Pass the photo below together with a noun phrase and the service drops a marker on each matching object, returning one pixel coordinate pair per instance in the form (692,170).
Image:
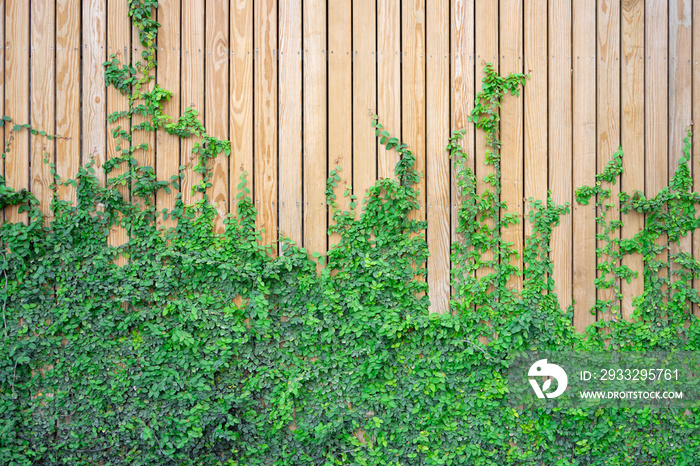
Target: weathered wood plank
(265,148)
(216,74)
(608,114)
(486,49)
(656,102)
(168,77)
(413,90)
(340,110)
(632,135)
(94,109)
(241,95)
(68,78)
(462,95)
(560,134)
(119,44)
(679,95)
(437,161)
(512,151)
(290,120)
(584,161)
(364,85)
(696,118)
(17,99)
(42,71)
(389,79)
(315,127)
(192,91)
(535,98)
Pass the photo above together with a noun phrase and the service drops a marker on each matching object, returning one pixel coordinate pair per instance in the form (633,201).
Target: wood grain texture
(315,127)
(192,91)
(679,95)
(119,44)
(608,113)
(437,161)
(290,120)
(146,156)
(584,161)
(340,110)
(42,72)
(216,74)
(241,97)
(656,90)
(511,51)
(94,95)
(656,102)
(535,98)
(486,49)
(168,77)
(462,86)
(632,135)
(17,99)
(560,134)
(364,95)
(413,90)
(265,98)
(68,24)
(389,78)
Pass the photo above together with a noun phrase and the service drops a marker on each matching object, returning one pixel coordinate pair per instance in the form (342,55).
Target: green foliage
(203,348)
(663,312)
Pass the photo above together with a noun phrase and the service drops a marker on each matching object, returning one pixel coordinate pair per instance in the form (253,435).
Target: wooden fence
(292,84)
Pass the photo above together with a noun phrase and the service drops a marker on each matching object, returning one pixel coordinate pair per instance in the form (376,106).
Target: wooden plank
(17,98)
(364,77)
(486,50)
(511,51)
(389,80)
(584,161)
(216,114)
(462,90)
(192,63)
(145,157)
(67,93)
(241,97)
(118,43)
(608,113)
(560,134)
(656,102)
(340,112)
(43,76)
(463,94)
(94,108)
(266,118)
(290,121)
(632,134)
(437,161)
(315,127)
(168,77)
(535,97)
(696,118)
(679,95)
(413,90)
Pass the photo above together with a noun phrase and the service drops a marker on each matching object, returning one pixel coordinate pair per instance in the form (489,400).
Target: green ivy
(185,346)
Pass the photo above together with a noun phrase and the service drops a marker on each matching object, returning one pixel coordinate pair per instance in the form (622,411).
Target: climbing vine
(188,346)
